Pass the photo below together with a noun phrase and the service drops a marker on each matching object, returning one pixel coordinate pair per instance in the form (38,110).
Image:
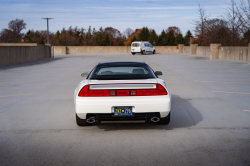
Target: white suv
(142,47)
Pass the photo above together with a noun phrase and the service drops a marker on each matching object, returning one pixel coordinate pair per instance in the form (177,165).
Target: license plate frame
(123,111)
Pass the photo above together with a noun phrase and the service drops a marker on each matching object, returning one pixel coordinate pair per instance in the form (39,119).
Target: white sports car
(122,90)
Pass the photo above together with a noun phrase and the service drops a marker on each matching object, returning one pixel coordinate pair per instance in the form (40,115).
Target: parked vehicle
(142,47)
(122,90)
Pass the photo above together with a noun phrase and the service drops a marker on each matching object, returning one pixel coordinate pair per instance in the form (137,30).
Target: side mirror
(158,73)
(84,74)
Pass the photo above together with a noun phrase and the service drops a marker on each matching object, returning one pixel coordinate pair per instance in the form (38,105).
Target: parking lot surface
(210,118)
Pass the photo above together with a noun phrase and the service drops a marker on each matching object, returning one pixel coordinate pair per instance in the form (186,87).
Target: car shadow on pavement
(183,115)
(30,63)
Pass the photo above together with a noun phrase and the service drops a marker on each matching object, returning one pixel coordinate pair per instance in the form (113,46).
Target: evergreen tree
(107,41)
(63,30)
(133,39)
(28,36)
(187,38)
(57,34)
(120,43)
(171,39)
(144,34)
(70,31)
(162,39)
(89,37)
(179,39)
(153,38)
(99,37)
(94,32)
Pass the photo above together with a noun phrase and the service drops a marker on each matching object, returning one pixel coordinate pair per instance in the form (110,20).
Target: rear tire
(133,53)
(165,120)
(81,122)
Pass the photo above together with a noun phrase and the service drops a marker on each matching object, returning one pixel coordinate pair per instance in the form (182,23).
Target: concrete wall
(106,49)
(60,49)
(180,48)
(218,52)
(166,49)
(203,50)
(186,49)
(222,52)
(193,49)
(96,49)
(234,53)
(11,53)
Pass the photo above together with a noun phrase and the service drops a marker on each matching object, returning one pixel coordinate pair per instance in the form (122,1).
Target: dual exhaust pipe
(153,119)
(91,119)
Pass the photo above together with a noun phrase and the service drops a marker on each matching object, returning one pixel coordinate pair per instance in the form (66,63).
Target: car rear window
(135,44)
(122,71)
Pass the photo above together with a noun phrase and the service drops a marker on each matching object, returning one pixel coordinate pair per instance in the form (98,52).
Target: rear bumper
(105,105)
(136,116)
(135,52)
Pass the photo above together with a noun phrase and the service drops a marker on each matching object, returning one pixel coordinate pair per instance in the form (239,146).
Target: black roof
(121,62)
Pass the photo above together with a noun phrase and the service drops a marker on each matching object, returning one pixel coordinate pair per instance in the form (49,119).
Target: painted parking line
(17,95)
(26,84)
(215,75)
(247,110)
(217,71)
(220,81)
(231,92)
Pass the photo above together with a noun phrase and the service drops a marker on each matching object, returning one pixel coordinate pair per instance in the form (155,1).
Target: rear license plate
(123,111)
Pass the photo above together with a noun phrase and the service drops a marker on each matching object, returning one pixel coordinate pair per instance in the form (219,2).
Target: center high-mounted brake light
(86,92)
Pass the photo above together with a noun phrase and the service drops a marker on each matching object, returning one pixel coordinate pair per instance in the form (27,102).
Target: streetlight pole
(47,28)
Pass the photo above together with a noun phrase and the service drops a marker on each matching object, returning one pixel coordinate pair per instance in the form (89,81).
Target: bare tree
(200,23)
(17,25)
(174,29)
(128,32)
(13,34)
(7,36)
(234,23)
(244,13)
(216,30)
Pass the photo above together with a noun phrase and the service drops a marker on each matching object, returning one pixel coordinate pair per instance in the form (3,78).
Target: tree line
(108,37)
(77,37)
(170,37)
(90,37)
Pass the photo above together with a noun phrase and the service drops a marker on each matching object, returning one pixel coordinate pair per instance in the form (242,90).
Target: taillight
(159,90)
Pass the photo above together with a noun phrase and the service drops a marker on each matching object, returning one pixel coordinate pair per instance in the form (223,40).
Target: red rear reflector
(160,90)
(84,91)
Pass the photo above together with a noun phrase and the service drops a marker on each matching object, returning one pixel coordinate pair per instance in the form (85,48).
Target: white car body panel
(140,104)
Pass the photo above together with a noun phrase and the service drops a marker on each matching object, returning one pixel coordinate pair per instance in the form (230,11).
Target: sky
(119,14)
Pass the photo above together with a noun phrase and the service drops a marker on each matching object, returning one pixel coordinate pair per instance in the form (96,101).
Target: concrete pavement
(210,119)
